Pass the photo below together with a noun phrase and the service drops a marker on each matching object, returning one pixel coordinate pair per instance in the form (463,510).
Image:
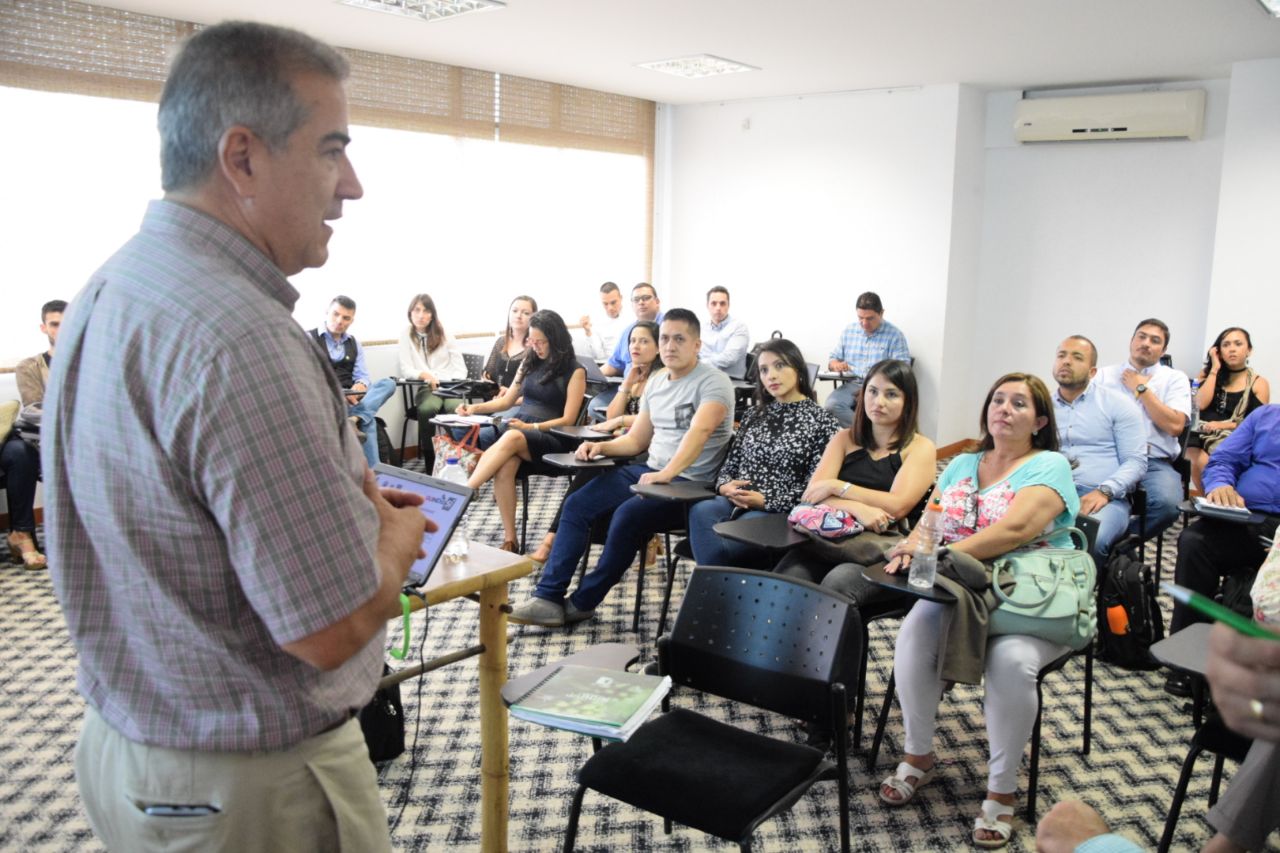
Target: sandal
(23,552)
(651,552)
(989,820)
(906,780)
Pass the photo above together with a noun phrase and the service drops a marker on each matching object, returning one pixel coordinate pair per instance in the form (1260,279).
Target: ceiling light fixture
(702,65)
(1272,7)
(426,10)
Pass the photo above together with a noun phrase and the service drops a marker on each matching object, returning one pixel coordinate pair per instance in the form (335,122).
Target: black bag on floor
(1130,618)
(384,442)
(382,722)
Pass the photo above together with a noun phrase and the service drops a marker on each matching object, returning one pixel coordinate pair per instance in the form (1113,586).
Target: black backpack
(1129,617)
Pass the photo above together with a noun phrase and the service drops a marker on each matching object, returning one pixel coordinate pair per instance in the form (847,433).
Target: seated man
(1243,472)
(346,356)
(862,344)
(726,340)
(19,459)
(1164,395)
(684,425)
(602,330)
(1102,435)
(646,306)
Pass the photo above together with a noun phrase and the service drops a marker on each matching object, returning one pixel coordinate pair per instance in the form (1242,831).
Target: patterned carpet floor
(432,792)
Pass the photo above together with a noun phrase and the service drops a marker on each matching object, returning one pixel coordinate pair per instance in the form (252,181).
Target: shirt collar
(716,327)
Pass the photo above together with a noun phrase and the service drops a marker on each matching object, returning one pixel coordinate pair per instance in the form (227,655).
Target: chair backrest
(771,641)
(475,364)
(812,370)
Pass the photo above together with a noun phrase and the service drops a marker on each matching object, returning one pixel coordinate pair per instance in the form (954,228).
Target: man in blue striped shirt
(868,340)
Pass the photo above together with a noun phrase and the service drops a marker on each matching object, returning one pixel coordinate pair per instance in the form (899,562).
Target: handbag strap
(1024,605)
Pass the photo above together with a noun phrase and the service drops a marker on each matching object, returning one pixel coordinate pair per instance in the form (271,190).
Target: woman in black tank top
(880,470)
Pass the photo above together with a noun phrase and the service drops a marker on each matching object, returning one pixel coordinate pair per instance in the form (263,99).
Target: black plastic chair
(769,641)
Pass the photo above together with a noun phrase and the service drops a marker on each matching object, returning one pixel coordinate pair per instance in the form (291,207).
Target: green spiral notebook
(605,703)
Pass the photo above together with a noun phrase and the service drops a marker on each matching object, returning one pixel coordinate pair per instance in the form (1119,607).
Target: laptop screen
(443,502)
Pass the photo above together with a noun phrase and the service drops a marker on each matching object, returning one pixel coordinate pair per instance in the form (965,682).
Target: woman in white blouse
(429,353)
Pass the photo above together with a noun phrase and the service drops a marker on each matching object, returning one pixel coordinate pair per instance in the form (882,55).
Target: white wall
(799,204)
(1091,237)
(1244,290)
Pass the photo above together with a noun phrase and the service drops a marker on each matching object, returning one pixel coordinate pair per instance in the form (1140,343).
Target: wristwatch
(1141,389)
(1107,492)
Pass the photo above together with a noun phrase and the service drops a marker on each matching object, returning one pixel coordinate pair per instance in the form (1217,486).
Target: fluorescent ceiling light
(1272,7)
(426,10)
(702,65)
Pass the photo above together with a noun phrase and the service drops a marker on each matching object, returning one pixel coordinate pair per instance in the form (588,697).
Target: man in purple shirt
(226,583)
(1244,471)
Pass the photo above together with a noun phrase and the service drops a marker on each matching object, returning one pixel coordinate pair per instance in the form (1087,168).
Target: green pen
(1216,611)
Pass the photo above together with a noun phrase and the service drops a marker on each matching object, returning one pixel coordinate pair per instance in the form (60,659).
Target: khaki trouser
(320,795)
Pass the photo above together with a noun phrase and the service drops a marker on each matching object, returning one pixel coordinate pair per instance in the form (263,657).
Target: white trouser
(1010,679)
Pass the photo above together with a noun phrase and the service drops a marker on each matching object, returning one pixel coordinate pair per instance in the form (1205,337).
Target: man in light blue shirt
(725,341)
(346,356)
(863,343)
(1102,434)
(647,306)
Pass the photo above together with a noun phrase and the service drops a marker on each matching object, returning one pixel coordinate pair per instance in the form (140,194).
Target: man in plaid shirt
(862,344)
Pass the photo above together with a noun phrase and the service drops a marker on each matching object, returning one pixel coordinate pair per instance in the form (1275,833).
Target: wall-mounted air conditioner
(1140,115)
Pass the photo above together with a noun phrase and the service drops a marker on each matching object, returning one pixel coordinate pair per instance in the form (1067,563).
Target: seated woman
(429,353)
(1013,492)
(553,384)
(879,469)
(1229,391)
(622,411)
(508,350)
(769,460)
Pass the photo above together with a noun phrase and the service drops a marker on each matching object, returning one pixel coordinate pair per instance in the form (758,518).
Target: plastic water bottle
(924,559)
(1195,409)
(457,547)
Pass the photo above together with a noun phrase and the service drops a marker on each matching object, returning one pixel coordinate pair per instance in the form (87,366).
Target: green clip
(403,652)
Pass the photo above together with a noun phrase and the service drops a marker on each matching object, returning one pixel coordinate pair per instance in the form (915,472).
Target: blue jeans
(378,393)
(635,520)
(709,547)
(1164,493)
(600,403)
(1113,520)
(842,402)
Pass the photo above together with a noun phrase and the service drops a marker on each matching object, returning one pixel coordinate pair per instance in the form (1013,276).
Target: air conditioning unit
(1140,115)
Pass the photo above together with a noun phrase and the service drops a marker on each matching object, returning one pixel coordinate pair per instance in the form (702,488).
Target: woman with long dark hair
(1229,390)
(770,459)
(430,354)
(879,469)
(509,349)
(552,384)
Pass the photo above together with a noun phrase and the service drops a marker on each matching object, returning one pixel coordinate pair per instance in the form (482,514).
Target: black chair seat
(705,774)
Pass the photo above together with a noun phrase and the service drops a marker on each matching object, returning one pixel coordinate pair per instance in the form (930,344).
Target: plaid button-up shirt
(203,502)
(861,350)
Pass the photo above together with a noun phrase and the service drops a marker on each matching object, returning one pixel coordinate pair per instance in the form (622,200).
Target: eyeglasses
(644,297)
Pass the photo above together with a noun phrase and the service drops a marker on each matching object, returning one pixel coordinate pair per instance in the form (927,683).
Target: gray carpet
(1140,739)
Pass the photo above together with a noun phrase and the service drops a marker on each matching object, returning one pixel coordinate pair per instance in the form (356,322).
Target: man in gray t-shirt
(684,424)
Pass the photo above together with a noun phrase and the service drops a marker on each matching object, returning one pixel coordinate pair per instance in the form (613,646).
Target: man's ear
(238,151)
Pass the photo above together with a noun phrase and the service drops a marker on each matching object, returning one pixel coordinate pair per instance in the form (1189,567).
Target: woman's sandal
(543,553)
(23,552)
(989,820)
(906,780)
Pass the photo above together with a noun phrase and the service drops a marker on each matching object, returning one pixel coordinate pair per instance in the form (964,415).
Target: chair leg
(1034,774)
(672,562)
(1179,794)
(881,721)
(524,514)
(1216,784)
(575,810)
(859,698)
(635,613)
(1088,701)
(404,431)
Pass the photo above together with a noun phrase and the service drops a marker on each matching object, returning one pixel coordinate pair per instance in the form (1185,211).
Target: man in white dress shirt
(725,341)
(1164,395)
(602,330)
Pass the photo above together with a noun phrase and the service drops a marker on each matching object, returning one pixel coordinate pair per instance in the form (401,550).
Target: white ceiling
(802,46)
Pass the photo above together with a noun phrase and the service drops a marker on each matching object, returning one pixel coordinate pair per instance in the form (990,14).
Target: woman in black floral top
(777,446)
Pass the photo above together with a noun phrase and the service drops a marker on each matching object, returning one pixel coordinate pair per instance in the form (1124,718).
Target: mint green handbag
(1052,597)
